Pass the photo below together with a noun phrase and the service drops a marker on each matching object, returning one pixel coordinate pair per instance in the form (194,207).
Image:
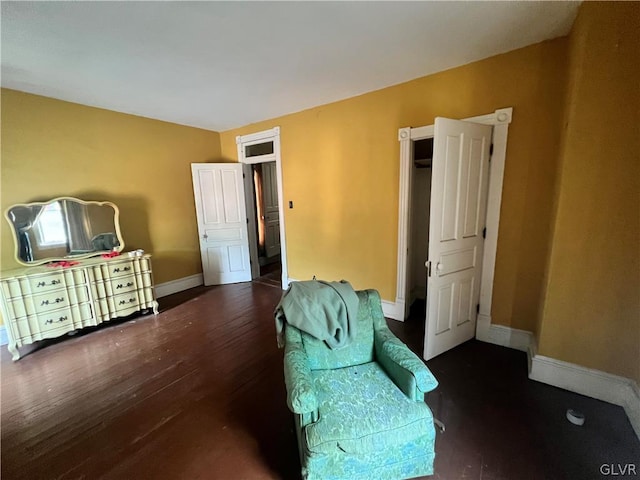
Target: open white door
(222,222)
(459,183)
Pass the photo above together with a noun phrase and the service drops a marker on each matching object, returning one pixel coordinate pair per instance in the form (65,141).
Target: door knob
(439,267)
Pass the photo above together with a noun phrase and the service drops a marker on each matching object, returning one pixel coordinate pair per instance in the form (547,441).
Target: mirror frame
(116,221)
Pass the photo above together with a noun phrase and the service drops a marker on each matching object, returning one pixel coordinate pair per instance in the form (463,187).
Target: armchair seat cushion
(361,410)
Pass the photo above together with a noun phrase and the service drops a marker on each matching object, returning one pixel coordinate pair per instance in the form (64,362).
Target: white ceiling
(220,65)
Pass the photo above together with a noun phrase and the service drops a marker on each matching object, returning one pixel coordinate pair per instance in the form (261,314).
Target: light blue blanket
(325,310)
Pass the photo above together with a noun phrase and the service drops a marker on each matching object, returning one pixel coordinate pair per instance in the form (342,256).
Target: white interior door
(272,211)
(460,174)
(222,222)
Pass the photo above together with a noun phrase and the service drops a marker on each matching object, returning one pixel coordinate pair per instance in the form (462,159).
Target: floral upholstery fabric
(408,460)
(301,396)
(401,355)
(369,414)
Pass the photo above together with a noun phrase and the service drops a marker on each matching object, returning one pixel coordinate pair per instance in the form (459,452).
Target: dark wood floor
(197,392)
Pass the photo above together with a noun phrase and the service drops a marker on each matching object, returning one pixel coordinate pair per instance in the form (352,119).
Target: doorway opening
(461,253)
(267,223)
(262,172)
(422,158)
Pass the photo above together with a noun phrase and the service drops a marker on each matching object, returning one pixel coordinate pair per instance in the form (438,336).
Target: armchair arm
(301,396)
(409,373)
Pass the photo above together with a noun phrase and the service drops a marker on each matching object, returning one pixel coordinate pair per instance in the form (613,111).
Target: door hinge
(243,175)
(247,221)
(491,150)
(484,232)
(478,309)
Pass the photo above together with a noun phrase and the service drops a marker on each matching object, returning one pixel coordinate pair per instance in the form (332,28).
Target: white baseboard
(590,382)
(483,324)
(509,337)
(503,336)
(4,339)
(568,376)
(393,310)
(175,286)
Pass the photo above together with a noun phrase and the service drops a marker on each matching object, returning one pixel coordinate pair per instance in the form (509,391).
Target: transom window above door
(258,149)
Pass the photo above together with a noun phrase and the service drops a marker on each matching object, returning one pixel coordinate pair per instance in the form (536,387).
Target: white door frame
(242,141)
(500,119)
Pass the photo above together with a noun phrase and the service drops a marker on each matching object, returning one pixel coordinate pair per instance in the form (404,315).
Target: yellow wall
(53,148)
(591,313)
(340,167)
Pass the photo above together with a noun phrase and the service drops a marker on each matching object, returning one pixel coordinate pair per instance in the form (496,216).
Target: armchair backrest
(358,352)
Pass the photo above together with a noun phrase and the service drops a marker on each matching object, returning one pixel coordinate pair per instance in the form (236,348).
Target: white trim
(569,376)
(508,337)
(592,383)
(500,119)
(492,222)
(420,133)
(404,218)
(258,137)
(483,324)
(4,339)
(259,158)
(268,135)
(392,310)
(178,285)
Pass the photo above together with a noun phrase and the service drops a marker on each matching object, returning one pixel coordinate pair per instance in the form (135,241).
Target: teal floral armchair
(359,410)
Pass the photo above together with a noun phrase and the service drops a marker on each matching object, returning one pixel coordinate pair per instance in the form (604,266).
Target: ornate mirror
(64,228)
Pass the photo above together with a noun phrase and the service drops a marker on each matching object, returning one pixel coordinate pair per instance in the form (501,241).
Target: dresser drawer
(119,269)
(36,284)
(123,284)
(46,283)
(42,282)
(116,286)
(45,302)
(120,305)
(60,320)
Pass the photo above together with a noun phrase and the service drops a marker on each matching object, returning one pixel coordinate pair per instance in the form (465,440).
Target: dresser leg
(155,307)
(13,349)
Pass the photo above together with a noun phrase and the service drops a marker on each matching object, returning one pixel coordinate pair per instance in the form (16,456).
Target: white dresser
(49,301)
